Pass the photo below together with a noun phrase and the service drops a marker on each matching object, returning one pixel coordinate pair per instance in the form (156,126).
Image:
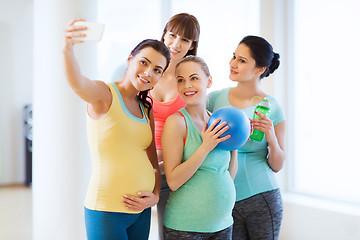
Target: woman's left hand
(146,200)
(265,125)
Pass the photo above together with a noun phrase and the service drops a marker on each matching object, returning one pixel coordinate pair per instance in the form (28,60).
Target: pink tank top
(161,111)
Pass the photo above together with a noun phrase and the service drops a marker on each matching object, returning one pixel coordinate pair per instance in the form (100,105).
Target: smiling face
(192,82)
(243,66)
(178,45)
(146,68)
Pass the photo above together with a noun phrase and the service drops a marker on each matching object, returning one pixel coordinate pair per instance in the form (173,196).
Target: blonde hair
(195,59)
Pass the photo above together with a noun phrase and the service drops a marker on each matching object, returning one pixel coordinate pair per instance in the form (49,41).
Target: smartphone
(93,32)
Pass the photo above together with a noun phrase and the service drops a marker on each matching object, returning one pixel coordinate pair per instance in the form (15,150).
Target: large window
(223,25)
(326,99)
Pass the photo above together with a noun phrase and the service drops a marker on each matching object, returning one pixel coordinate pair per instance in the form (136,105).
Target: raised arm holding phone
(126,179)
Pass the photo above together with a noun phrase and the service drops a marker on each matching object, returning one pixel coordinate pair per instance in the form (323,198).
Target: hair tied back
(275,63)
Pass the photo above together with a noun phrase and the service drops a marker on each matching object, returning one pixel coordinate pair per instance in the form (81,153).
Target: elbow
(172,185)
(233,173)
(173,188)
(276,163)
(276,170)
(277,167)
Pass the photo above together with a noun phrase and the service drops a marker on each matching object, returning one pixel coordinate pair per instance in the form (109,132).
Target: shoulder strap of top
(144,119)
(182,114)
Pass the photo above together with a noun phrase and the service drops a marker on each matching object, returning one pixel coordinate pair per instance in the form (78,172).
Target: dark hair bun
(275,63)
(263,54)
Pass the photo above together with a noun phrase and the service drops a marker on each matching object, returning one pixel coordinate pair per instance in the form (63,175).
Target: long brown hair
(185,25)
(163,50)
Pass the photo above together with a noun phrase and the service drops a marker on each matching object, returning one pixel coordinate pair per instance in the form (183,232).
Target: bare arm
(160,159)
(151,152)
(233,166)
(275,136)
(96,93)
(172,141)
(276,148)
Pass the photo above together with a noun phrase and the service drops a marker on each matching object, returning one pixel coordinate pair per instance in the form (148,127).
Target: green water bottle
(264,108)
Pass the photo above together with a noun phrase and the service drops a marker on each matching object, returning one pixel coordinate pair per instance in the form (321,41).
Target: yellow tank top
(118,144)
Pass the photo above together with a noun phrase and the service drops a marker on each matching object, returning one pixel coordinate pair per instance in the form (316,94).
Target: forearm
(90,91)
(233,166)
(184,171)
(276,157)
(160,161)
(153,157)
(154,162)
(72,70)
(157,187)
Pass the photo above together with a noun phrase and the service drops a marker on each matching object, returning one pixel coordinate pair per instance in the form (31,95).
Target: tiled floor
(16,214)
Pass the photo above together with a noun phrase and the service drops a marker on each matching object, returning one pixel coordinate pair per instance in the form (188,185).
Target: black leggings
(171,234)
(258,217)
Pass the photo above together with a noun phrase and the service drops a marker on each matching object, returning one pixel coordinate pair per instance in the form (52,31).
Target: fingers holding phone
(78,31)
(72,31)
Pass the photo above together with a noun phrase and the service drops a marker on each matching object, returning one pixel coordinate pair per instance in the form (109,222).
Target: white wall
(16,46)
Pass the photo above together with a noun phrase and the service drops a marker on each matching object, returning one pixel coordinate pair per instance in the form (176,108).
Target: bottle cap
(265,103)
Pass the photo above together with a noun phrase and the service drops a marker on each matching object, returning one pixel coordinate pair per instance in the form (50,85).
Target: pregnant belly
(108,186)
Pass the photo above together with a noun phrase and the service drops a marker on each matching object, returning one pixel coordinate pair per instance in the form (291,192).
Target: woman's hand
(251,129)
(275,136)
(74,31)
(211,135)
(265,125)
(146,200)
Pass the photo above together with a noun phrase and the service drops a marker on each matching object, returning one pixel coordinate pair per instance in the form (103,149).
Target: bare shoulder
(104,86)
(176,120)
(173,134)
(176,125)
(100,104)
(99,91)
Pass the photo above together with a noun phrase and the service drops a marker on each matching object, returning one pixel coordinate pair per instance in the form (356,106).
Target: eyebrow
(240,56)
(193,74)
(150,63)
(189,76)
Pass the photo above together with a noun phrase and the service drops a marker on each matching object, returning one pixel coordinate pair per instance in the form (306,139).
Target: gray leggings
(258,217)
(171,234)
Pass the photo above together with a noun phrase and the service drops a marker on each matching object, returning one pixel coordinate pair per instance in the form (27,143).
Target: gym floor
(16,214)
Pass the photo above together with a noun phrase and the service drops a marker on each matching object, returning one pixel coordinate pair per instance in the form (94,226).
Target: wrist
(68,48)
(203,150)
(271,138)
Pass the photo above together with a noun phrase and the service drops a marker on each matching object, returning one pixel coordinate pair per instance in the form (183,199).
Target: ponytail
(145,100)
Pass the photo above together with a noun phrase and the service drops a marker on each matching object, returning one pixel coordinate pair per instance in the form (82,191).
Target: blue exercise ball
(239,127)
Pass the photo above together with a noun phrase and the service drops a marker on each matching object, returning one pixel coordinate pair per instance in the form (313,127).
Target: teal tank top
(205,202)
(254,174)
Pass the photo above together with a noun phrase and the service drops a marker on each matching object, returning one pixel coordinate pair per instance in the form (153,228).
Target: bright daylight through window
(326,98)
